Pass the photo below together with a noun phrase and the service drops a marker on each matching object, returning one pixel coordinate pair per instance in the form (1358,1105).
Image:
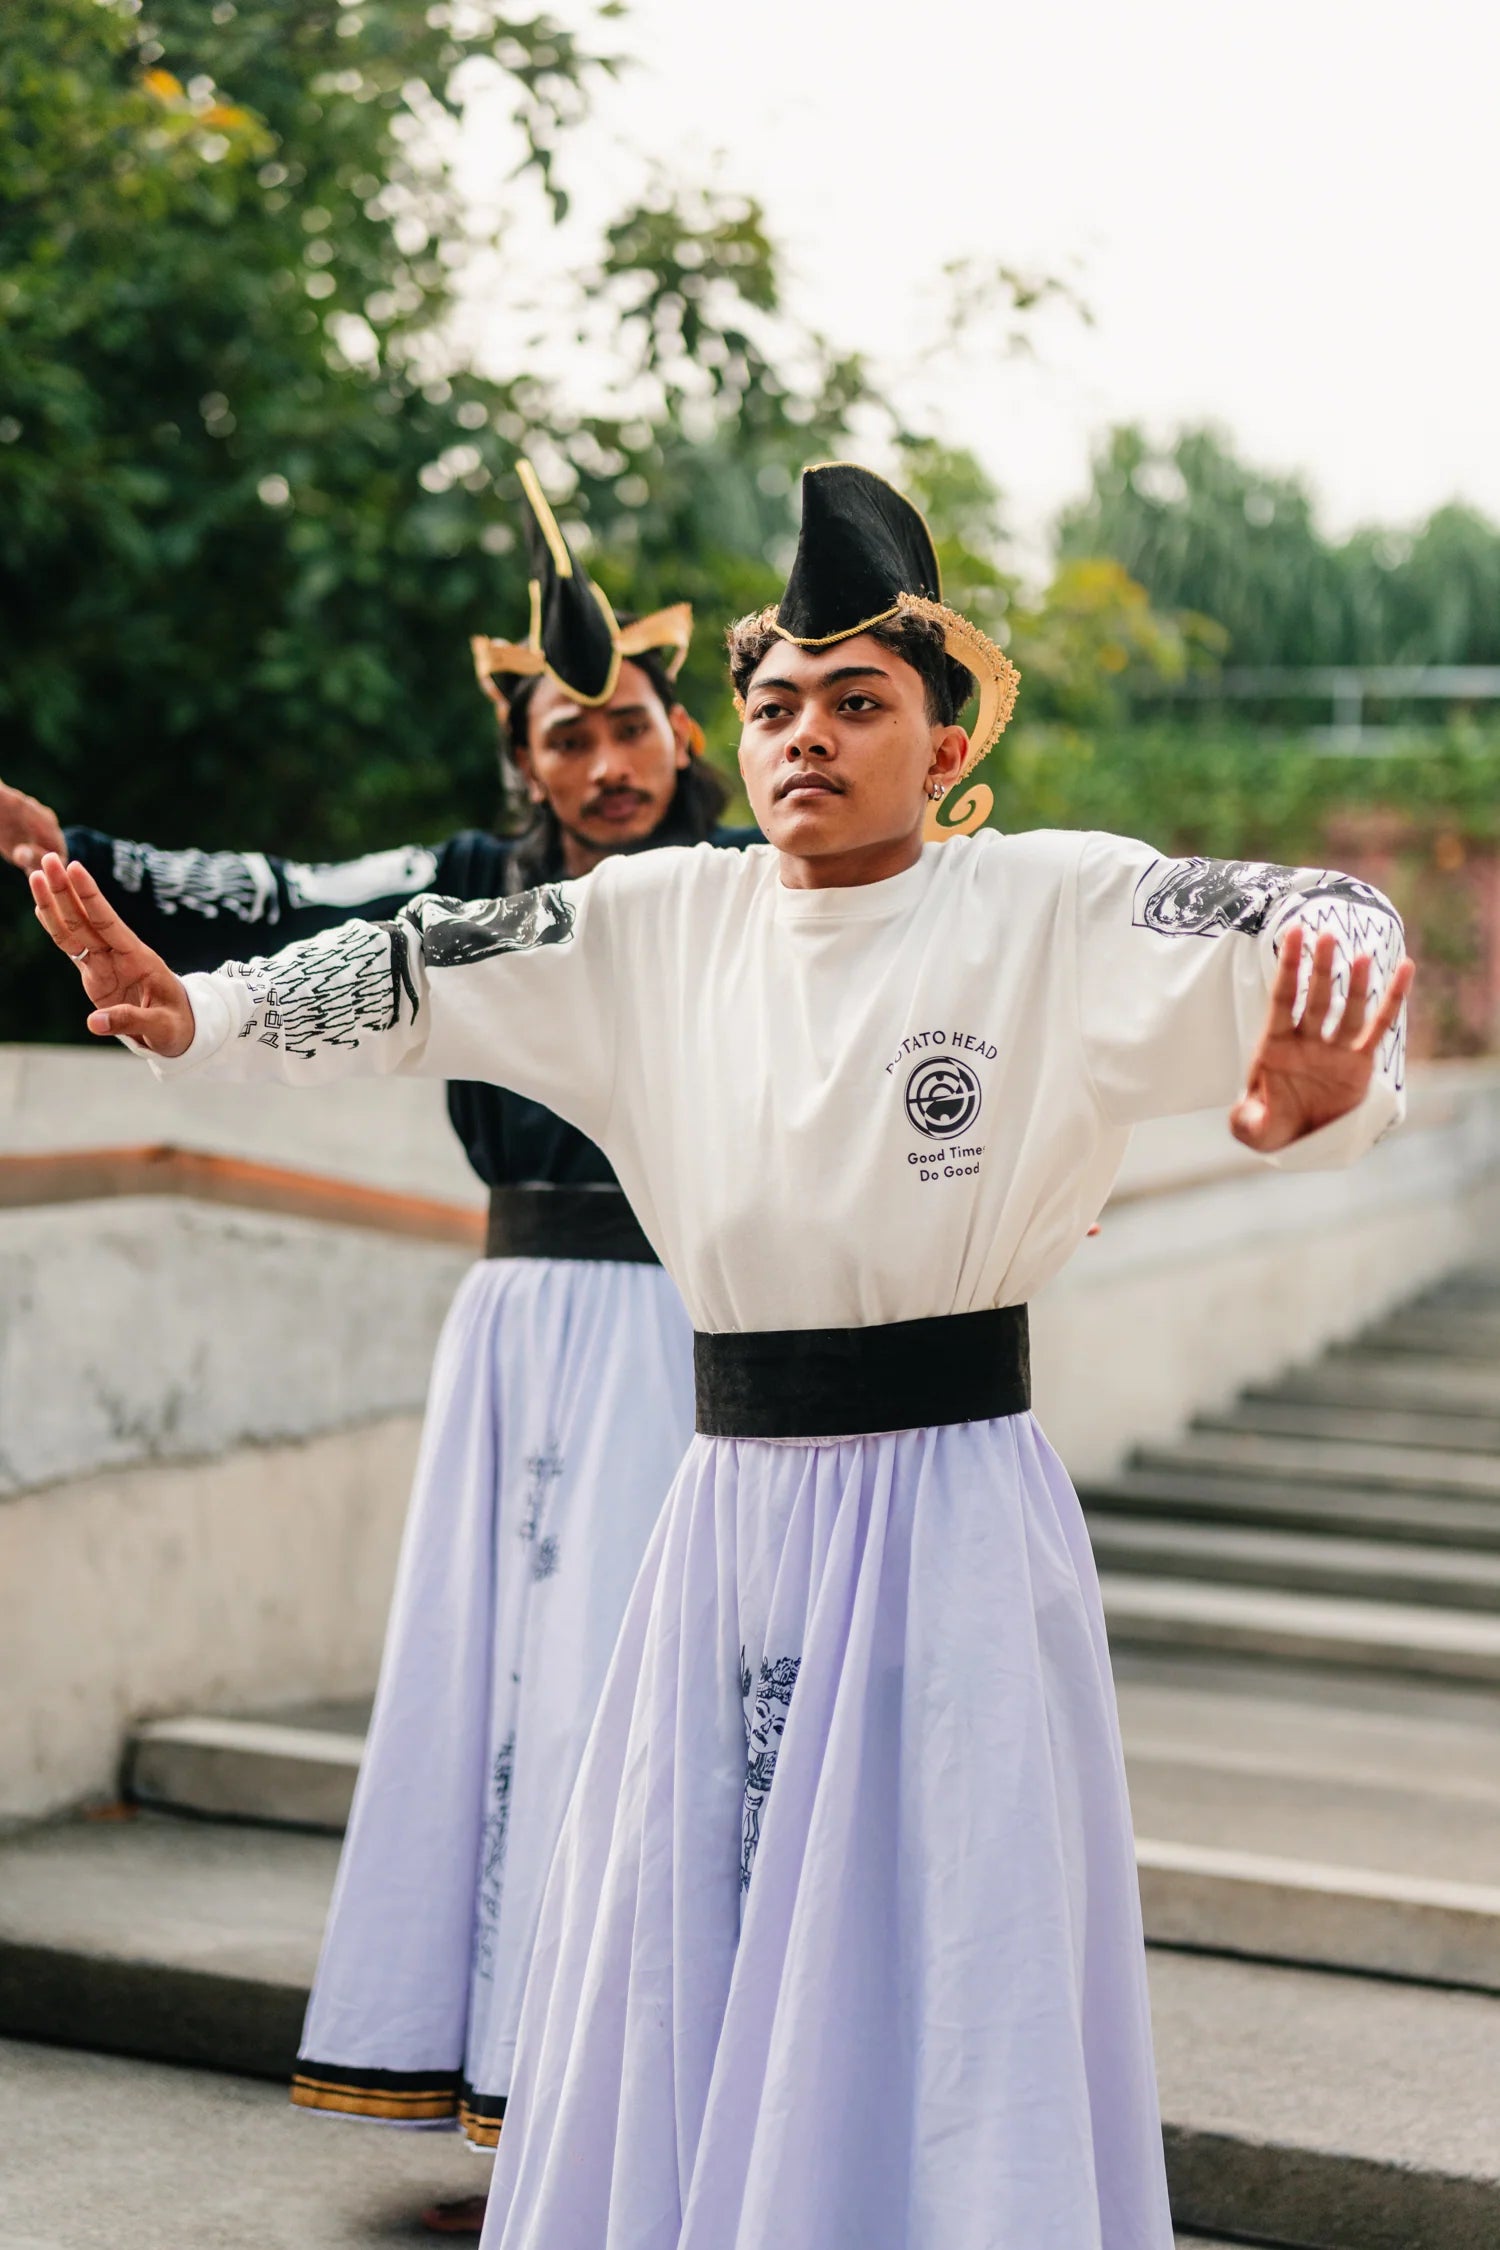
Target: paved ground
(99,2154)
(161,2159)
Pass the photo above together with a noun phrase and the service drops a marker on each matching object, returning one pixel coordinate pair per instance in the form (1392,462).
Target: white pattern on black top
(407,868)
(207,883)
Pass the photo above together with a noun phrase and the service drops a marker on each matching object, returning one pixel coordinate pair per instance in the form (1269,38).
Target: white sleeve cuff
(1349,1137)
(214,1025)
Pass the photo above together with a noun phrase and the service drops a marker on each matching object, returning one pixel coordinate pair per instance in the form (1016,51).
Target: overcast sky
(1285,217)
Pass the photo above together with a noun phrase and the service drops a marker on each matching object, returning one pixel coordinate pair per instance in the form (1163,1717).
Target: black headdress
(865,556)
(575,637)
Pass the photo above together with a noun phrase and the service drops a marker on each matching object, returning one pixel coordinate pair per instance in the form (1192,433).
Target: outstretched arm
(515,990)
(200,908)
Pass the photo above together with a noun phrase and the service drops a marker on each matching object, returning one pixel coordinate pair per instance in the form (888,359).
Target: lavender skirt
(560,1406)
(842,1943)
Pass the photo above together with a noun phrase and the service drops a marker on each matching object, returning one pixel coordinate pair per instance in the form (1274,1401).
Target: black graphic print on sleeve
(329,990)
(1203,897)
(207,883)
(456,934)
(764,1726)
(1207,897)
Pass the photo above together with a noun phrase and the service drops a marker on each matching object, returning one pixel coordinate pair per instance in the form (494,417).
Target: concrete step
(1382,1379)
(1297,1562)
(302,1775)
(1457,1333)
(1198,1495)
(1308,1460)
(1329,2112)
(179,1941)
(1427,1429)
(1265,1908)
(1394,1774)
(1180,1616)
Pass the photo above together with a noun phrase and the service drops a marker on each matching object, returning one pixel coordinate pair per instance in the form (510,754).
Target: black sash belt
(566,1222)
(850,1382)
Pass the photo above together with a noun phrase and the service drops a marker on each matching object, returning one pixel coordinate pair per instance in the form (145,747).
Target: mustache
(621,796)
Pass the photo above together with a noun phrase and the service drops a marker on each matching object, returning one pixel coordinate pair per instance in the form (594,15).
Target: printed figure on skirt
(842,1940)
(561,1399)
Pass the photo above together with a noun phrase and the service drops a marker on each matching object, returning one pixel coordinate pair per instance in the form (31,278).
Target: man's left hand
(1304,1075)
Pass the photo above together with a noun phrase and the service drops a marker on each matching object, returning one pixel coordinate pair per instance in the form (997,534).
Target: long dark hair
(697,802)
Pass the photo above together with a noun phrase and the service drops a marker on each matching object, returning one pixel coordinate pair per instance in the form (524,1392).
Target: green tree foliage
(249,511)
(1083,640)
(1203,532)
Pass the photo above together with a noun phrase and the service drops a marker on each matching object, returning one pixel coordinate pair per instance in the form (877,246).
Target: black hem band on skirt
(856,1382)
(566,1222)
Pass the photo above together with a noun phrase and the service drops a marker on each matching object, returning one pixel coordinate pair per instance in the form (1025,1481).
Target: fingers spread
(1390,1005)
(96,910)
(1284,984)
(1319,986)
(55,910)
(1347,1030)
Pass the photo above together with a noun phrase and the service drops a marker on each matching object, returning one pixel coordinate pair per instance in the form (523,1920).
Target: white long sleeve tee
(832,1107)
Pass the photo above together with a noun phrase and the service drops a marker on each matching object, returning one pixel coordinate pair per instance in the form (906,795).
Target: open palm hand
(134,994)
(1303,1074)
(28,829)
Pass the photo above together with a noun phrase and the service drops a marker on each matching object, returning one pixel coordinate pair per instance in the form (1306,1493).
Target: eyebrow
(829,679)
(570,716)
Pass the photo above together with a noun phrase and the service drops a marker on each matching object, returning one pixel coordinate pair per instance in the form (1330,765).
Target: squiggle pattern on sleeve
(1210,897)
(1363,921)
(207,883)
(331,991)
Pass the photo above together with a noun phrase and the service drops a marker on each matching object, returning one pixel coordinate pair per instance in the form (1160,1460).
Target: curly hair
(918,641)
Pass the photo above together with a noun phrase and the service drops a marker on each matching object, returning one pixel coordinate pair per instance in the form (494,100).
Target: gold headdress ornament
(865,555)
(574,637)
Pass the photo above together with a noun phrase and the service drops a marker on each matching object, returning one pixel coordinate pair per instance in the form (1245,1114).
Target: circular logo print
(942,1097)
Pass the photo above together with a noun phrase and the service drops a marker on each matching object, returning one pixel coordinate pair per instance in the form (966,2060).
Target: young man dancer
(842,1942)
(561,1397)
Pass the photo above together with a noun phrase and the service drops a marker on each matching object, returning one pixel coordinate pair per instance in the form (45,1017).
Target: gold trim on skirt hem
(414,2105)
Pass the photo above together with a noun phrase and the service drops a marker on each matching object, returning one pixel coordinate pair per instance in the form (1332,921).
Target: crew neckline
(857,902)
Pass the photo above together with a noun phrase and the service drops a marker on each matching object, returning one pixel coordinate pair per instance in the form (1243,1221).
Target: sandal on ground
(463,2215)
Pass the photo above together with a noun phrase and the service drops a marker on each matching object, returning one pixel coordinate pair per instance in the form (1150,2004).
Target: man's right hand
(28,829)
(135,994)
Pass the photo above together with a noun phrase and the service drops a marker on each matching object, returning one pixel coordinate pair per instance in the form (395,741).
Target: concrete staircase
(1304,1599)
(1345,1518)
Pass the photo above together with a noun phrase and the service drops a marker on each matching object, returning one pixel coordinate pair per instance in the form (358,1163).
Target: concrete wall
(146,1328)
(261,1577)
(387,1133)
